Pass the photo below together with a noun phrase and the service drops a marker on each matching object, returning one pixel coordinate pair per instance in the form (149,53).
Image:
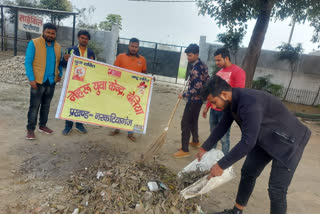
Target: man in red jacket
(236,78)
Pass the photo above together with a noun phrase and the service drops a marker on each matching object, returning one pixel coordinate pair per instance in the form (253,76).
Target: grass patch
(182,72)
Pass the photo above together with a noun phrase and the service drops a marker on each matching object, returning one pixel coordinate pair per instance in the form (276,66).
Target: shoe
(66,130)
(45,130)
(132,138)
(81,128)
(30,135)
(114,132)
(195,144)
(230,211)
(181,154)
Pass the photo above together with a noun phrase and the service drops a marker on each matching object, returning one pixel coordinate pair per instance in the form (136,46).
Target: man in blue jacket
(269,133)
(80,50)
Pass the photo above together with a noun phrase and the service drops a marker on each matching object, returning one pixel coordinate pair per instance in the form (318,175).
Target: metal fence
(162,59)
(298,96)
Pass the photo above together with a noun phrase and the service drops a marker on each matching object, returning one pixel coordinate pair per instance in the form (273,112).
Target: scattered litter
(153,186)
(100,175)
(76,211)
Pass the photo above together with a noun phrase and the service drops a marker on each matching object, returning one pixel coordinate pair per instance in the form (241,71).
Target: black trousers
(279,181)
(189,124)
(40,99)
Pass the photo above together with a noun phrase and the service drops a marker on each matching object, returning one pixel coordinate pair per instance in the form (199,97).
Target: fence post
(15,32)
(155,58)
(74,28)
(2,23)
(179,65)
(315,99)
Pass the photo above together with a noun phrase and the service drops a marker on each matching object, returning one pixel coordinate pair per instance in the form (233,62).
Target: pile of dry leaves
(115,187)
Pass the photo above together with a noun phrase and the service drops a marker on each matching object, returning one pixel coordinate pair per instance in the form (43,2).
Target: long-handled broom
(156,146)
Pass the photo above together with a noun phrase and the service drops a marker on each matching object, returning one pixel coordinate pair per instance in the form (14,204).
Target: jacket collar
(235,99)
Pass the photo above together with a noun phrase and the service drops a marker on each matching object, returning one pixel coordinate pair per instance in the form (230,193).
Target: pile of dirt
(13,71)
(114,186)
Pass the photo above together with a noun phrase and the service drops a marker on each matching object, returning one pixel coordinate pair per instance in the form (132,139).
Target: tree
(85,18)
(22,3)
(111,19)
(239,12)
(292,55)
(62,5)
(232,40)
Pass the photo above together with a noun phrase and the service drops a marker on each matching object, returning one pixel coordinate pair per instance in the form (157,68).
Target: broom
(156,146)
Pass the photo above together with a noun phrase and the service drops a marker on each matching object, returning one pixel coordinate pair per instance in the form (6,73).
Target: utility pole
(292,29)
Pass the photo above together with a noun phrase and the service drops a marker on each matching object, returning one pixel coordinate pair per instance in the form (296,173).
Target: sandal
(131,137)
(114,132)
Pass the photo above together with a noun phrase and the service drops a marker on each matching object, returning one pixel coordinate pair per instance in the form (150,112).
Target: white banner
(30,23)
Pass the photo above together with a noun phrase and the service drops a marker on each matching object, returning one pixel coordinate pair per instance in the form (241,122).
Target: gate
(162,59)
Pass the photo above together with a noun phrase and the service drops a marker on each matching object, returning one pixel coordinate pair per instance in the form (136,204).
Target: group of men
(269,131)
(44,63)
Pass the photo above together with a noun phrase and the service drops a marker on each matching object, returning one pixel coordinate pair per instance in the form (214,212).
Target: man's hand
(215,171)
(58,79)
(200,153)
(180,96)
(33,84)
(205,112)
(66,57)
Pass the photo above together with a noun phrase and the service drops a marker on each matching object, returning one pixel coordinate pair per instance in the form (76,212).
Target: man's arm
(196,83)
(29,60)
(206,109)
(117,62)
(219,131)
(64,59)
(251,122)
(31,50)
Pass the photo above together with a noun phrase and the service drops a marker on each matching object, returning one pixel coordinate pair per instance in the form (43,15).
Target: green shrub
(264,84)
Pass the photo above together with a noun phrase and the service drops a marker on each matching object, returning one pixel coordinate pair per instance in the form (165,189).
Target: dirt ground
(34,170)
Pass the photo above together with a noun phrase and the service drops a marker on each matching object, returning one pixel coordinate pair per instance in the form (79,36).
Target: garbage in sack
(203,185)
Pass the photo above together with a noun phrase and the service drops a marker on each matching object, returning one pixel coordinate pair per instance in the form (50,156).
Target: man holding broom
(198,76)
(269,133)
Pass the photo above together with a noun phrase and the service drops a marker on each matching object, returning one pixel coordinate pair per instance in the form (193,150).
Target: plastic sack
(204,185)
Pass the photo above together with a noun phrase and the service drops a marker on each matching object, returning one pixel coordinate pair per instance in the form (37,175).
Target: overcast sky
(180,24)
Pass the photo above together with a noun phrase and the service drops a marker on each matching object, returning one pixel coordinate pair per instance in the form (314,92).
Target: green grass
(182,72)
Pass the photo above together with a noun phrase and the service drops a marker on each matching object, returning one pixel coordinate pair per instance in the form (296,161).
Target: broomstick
(156,146)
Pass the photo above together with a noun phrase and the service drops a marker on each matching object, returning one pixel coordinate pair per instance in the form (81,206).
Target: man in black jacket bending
(269,133)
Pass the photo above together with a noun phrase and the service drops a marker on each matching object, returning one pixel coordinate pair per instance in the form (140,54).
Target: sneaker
(230,211)
(81,128)
(66,130)
(195,144)
(181,154)
(45,130)
(30,135)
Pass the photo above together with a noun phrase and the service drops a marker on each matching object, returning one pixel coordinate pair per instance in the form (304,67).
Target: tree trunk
(292,68)
(251,58)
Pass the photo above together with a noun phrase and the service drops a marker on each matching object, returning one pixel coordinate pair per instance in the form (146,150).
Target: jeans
(128,131)
(189,124)
(69,124)
(279,181)
(214,119)
(40,99)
